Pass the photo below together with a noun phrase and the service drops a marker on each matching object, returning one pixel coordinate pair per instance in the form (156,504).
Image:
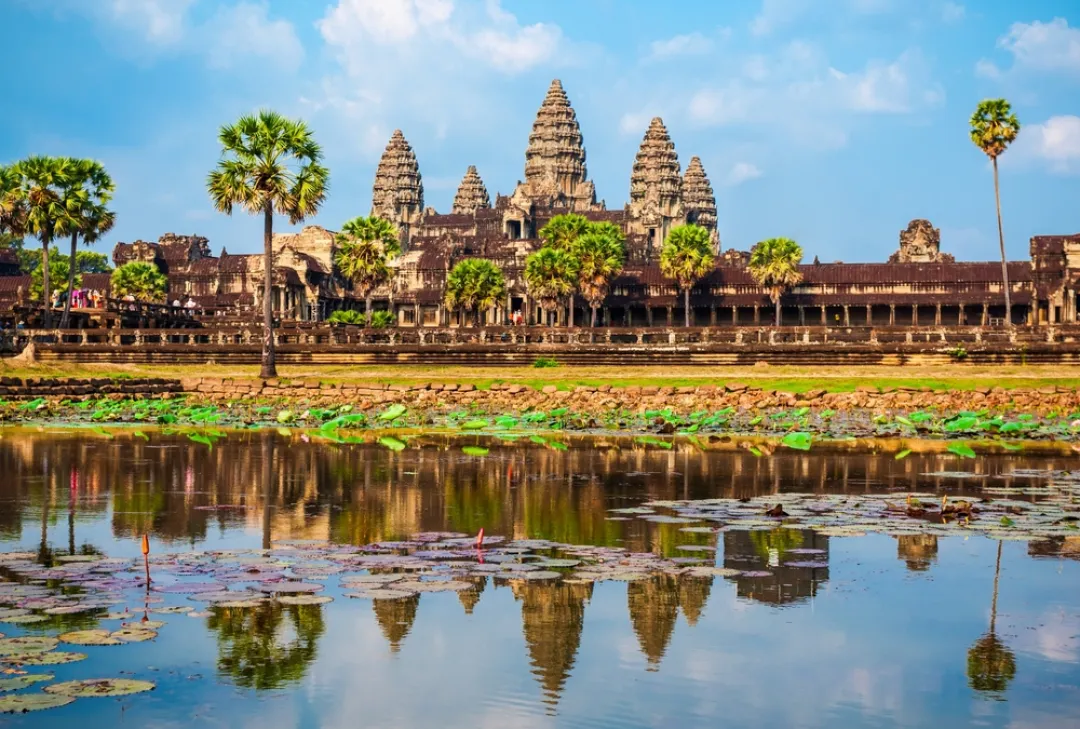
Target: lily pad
(394,411)
(27,644)
(21,682)
(25,619)
(100,687)
(800,441)
(133,635)
(381,594)
(49,658)
(392,443)
(474,451)
(289,588)
(474,424)
(23,703)
(304,599)
(89,637)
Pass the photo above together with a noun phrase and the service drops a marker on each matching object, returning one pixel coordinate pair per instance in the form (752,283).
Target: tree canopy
(365,247)
(551,276)
(687,256)
(774,264)
(474,284)
(142,280)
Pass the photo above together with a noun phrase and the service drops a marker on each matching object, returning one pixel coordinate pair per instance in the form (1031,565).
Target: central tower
(555,157)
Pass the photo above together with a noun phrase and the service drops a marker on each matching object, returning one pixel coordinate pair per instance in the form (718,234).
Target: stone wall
(33,387)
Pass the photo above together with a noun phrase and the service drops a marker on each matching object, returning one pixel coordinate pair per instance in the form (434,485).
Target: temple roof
(471,194)
(699,201)
(397,179)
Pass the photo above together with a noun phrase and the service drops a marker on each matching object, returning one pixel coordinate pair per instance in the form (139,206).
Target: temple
(919,285)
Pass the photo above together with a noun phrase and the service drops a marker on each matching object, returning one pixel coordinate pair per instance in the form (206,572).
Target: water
(880,637)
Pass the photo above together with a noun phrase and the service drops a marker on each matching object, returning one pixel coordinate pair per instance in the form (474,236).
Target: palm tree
(560,233)
(366,245)
(600,257)
(687,256)
(142,280)
(12,204)
(990,664)
(550,276)
(474,284)
(43,181)
(89,189)
(774,264)
(993,128)
(269,164)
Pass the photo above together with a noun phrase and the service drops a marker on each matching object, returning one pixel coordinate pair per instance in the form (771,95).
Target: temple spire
(698,198)
(471,194)
(398,192)
(555,157)
(656,185)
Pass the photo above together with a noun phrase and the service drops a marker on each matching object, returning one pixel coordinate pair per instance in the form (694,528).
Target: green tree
(774,264)
(687,256)
(474,284)
(259,650)
(59,266)
(365,246)
(86,195)
(13,206)
(270,164)
(92,262)
(550,276)
(990,663)
(43,182)
(560,233)
(142,280)
(600,257)
(993,128)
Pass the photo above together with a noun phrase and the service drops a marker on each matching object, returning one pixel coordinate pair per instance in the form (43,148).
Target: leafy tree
(13,206)
(381,319)
(365,247)
(560,233)
(260,650)
(347,316)
(990,663)
(59,266)
(687,256)
(774,264)
(92,262)
(993,128)
(42,185)
(474,284)
(270,164)
(142,280)
(85,197)
(600,257)
(550,276)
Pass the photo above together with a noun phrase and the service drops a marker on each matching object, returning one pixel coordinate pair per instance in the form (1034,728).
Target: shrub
(382,319)
(347,316)
(545,362)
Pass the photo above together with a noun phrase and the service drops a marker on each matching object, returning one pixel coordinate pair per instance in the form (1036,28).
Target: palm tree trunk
(46,299)
(776,305)
(71,280)
(570,320)
(592,320)
(268,365)
(1001,240)
(686,306)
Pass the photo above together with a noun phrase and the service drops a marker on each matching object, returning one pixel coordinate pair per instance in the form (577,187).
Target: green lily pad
(100,687)
(89,637)
(392,443)
(21,682)
(25,619)
(394,411)
(49,658)
(22,703)
(474,451)
(798,440)
(133,635)
(474,424)
(902,455)
(27,644)
(961,449)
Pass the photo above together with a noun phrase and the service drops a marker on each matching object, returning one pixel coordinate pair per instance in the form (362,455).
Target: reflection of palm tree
(990,663)
(395,618)
(267,486)
(552,616)
(259,650)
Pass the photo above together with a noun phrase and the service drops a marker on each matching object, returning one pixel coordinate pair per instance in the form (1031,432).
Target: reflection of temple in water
(1067,547)
(654,609)
(919,551)
(552,616)
(469,598)
(396,618)
(769,550)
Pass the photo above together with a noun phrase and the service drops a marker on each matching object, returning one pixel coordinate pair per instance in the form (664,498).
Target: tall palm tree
(560,233)
(687,256)
(365,247)
(550,276)
(600,258)
(269,164)
(990,664)
(774,264)
(12,203)
(993,128)
(474,284)
(43,181)
(89,190)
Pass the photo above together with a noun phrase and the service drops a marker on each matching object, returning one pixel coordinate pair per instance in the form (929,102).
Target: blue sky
(834,122)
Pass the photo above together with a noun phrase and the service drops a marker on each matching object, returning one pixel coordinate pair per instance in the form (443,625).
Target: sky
(833,122)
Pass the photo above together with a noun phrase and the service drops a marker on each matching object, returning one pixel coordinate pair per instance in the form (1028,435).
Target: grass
(789,379)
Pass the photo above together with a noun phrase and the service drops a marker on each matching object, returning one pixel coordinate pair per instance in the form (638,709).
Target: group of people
(80,299)
(189,304)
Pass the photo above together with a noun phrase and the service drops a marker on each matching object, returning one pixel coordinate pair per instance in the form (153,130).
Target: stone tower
(555,158)
(655,187)
(698,199)
(471,194)
(398,193)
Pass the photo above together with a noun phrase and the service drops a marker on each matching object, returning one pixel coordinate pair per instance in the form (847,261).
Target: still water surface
(894,631)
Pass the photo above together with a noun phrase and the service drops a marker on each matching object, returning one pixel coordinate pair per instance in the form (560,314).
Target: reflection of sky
(874,648)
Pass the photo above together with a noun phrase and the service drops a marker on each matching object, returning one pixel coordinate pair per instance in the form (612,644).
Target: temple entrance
(513,229)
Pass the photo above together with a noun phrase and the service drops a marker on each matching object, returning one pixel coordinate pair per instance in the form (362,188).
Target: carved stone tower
(555,158)
(398,193)
(698,199)
(471,194)
(656,204)
(920,242)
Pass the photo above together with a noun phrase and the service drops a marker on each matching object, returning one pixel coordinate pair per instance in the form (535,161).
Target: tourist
(176,303)
(190,303)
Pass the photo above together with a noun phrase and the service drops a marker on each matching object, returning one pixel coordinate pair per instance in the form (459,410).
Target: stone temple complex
(920,284)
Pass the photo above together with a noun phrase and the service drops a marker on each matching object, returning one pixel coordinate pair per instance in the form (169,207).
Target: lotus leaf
(99,687)
(23,703)
(394,411)
(474,424)
(798,440)
(27,644)
(134,635)
(392,443)
(89,637)
(386,594)
(21,682)
(474,451)
(48,658)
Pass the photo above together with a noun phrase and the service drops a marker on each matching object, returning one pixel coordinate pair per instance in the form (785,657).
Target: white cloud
(741,172)
(634,123)
(1052,46)
(689,44)
(953,12)
(245,31)
(776,13)
(158,21)
(1054,143)
(895,88)
(987,69)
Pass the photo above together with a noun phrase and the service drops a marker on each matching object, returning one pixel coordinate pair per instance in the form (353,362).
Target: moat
(300,582)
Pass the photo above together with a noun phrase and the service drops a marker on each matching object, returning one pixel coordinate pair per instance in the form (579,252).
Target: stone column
(824,316)
(670,311)
(892,314)
(648,315)
(802,316)
(937,315)
(985,314)
(869,315)
(712,315)
(847,315)
(960,316)
(734,316)
(914,315)
(757,314)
